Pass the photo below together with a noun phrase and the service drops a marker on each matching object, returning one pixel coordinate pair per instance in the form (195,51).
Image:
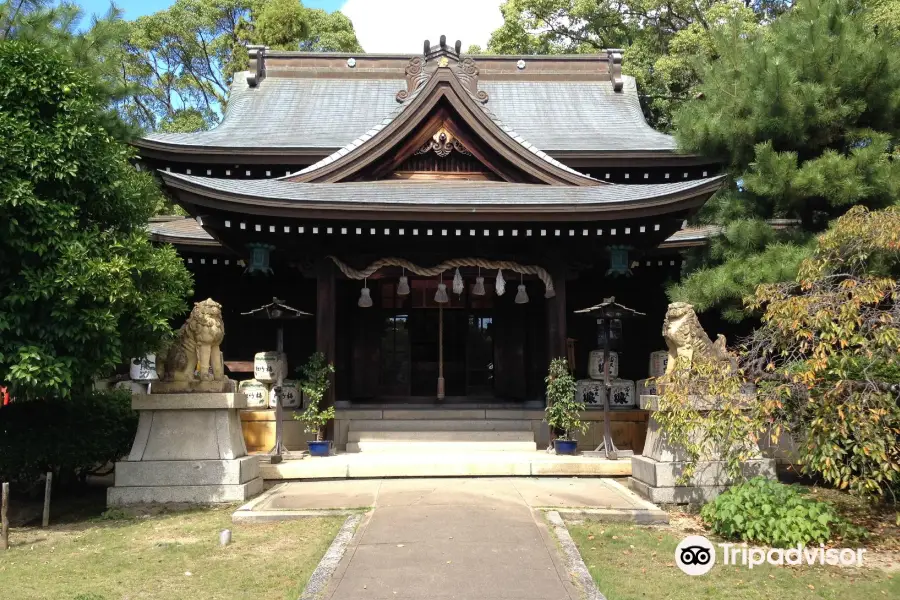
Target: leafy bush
(563,408)
(315,383)
(769,512)
(69,437)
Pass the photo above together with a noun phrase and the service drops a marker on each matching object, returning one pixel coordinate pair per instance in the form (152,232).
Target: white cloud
(402,25)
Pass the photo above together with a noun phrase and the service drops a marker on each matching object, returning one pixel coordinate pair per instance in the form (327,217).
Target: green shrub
(771,513)
(71,437)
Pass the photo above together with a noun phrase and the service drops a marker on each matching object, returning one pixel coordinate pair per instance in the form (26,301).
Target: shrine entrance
(420,339)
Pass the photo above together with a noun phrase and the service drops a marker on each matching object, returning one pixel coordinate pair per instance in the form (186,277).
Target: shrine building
(442,216)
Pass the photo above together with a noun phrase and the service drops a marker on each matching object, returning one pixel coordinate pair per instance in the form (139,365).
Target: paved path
(443,539)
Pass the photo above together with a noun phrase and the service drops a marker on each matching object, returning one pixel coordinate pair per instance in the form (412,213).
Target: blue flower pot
(565,446)
(319,448)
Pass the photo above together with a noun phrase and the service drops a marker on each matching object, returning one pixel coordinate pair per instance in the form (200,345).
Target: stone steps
(441,425)
(435,447)
(440,435)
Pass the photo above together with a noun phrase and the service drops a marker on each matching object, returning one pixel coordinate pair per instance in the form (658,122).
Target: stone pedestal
(655,472)
(188,448)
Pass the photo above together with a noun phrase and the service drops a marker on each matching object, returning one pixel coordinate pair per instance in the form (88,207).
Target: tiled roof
(330,113)
(374,131)
(448,193)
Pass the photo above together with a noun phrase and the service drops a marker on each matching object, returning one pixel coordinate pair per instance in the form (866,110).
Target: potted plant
(314,384)
(563,412)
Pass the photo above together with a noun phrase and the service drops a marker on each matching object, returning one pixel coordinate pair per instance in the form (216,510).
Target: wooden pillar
(556,318)
(326,303)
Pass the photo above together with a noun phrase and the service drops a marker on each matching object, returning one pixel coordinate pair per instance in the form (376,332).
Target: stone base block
(707,473)
(656,480)
(193,386)
(193,494)
(149,473)
(691,494)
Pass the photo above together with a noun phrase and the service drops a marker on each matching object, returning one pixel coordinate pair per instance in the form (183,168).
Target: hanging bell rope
(540,272)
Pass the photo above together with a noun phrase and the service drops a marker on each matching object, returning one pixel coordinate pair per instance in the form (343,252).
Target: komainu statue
(196,346)
(685,337)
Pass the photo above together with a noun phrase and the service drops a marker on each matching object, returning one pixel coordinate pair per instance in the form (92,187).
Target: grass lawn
(165,556)
(630,562)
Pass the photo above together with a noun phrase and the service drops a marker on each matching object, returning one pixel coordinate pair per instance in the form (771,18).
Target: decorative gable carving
(421,68)
(443,143)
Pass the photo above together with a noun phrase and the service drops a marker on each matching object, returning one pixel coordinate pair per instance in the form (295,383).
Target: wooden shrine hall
(441,215)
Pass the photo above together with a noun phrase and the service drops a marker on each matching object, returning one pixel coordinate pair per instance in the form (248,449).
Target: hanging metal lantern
(500,283)
(478,290)
(365,296)
(403,285)
(618,261)
(458,285)
(259,258)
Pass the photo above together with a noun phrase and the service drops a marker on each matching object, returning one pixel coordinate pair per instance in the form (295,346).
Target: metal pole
(4,518)
(47,488)
(440,390)
(278,450)
(611,452)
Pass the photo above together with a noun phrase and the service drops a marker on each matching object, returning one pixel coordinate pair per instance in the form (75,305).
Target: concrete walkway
(451,538)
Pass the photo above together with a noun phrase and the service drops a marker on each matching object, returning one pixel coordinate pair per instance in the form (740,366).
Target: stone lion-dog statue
(685,337)
(196,346)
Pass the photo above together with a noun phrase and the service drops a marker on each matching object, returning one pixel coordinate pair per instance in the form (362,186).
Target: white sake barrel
(646,387)
(143,368)
(268,366)
(621,394)
(591,392)
(658,362)
(595,365)
(257,393)
(288,393)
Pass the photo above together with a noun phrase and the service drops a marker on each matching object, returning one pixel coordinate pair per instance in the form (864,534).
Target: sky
(381,25)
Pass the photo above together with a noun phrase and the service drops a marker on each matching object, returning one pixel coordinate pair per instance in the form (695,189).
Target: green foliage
(69,437)
(824,362)
(663,40)
(827,353)
(771,513)
(178,63)
(703,412)
(806,112)
(315,383)
(563,408)
(81,287)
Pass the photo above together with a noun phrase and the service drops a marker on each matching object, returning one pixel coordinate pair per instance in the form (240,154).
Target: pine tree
(806,112)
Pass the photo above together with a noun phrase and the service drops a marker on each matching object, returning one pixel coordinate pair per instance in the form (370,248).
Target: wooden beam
(556,318)
(326,301)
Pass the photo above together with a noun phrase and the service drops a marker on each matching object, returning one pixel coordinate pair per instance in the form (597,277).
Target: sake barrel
(658,362)
(591,392)
(288,393)
(268,366)
(143,368)
(646,387)
(595,364)
(257,393)
(621,394)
